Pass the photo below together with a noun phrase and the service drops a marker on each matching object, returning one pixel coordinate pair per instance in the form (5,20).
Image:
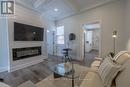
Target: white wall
(111,17)
(29,17)
(127,23)
(4,45)
(49,25)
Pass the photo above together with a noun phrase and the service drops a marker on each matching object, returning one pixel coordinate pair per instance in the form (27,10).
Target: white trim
(3,69)
(8,67)
(20,3)
(97,5)
(27,64)
(88,8)
(82,37)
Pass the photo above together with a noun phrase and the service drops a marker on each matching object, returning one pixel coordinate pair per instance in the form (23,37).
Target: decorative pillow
(108,71)
(121,57)
(119,54)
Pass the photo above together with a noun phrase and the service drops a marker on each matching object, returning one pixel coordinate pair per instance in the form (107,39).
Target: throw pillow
(108,70)
(121,57)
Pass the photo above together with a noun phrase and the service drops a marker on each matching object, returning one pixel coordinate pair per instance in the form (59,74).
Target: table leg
(1,80)
(72,81)
(56,76)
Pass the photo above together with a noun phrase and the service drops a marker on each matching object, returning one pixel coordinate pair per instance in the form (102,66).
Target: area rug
(63,82)
(27,84)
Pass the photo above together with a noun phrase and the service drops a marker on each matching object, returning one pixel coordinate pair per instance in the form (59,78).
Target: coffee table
(67,70)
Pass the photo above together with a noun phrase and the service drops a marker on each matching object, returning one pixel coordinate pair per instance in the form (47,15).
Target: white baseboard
(3,69)
(26,65)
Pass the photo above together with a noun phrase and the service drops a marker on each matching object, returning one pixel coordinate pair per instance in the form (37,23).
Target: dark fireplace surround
(22,53)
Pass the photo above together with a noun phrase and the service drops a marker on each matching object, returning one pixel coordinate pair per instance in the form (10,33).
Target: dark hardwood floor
(34,73)
(90,57)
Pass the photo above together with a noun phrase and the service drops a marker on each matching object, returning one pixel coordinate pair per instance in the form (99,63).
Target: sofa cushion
(3,85)
(121,57)
(123,78)
(92,79)
(108,70)
(96,63)
(119,54)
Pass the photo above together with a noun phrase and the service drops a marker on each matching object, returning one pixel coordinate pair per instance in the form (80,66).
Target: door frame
(82,45)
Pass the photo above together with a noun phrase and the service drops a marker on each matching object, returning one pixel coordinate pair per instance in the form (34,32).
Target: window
(60,34)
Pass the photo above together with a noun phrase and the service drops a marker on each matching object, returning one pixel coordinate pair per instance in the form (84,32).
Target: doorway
(91,41)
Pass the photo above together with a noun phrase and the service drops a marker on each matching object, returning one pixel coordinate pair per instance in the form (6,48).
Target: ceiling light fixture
(48,31)
(56,10)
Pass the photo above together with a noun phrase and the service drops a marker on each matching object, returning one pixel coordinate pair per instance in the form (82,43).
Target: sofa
(93,78)
(3,85)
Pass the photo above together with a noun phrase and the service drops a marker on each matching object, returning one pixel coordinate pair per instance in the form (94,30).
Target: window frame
(60,35)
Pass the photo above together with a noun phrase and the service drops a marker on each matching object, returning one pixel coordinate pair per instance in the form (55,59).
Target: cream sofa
(3,85)
(93,79)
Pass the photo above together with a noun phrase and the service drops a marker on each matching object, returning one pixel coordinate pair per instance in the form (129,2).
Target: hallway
(90,57)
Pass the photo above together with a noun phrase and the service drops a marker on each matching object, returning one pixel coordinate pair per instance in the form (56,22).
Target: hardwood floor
(34,73)
(90,57)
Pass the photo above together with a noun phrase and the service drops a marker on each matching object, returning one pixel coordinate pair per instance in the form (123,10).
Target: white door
(88,41)
(60,42)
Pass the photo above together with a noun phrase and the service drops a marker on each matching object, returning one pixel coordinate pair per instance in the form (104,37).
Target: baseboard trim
(3,69)
(27,64)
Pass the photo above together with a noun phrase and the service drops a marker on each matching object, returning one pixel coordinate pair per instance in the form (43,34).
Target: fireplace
(22,53)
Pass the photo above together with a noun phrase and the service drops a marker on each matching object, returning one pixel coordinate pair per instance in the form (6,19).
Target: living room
(38,53)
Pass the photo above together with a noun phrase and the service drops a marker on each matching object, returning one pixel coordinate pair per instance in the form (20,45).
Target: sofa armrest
(97,62)
(98,59)
(92,79)
(3,85)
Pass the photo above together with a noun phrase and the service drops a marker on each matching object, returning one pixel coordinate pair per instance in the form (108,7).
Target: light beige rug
(63,82)
(27,84)
(60,82)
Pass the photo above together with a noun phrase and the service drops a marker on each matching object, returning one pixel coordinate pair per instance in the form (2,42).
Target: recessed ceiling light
(55,9)
(48,31)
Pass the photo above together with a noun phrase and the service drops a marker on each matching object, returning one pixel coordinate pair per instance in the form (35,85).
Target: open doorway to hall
(91,41)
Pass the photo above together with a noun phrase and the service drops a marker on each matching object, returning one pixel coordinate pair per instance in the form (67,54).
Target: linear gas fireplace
(22,53)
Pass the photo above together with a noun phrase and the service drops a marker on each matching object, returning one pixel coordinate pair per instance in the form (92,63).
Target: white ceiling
(65,8)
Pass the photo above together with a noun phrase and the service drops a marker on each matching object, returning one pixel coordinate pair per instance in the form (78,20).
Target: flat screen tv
(24,32)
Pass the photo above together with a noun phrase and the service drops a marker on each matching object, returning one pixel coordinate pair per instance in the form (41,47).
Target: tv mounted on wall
(24,32)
